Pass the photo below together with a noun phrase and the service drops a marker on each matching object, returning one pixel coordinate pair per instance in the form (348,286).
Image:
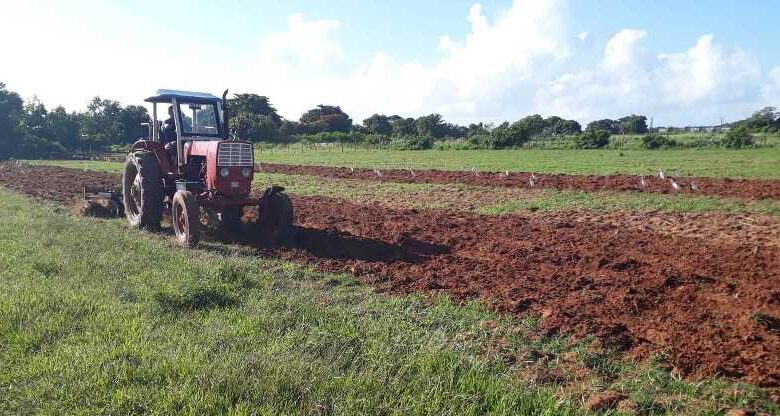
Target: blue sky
(682,62)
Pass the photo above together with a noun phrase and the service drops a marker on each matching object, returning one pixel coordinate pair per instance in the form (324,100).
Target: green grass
(141,326)
(749,163)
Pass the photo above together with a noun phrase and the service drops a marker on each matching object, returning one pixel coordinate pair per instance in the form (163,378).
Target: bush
(593,139)
(656,141)
(412,143)
(477,142)
(738,138)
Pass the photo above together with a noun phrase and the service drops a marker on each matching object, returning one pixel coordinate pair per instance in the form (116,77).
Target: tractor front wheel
(185,215)
(275,218)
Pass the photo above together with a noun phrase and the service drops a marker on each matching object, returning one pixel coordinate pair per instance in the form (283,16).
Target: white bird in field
(506,173)
(676,186)
(661,174)
(378,173)
(411,171)
(351,169)
(86,168)
(694,187)
(532,180)
(642,182)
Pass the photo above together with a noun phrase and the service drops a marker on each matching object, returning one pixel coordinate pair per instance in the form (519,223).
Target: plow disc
(103,202)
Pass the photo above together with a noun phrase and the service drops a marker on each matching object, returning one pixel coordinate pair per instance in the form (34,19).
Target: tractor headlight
(224,172)
(246,172)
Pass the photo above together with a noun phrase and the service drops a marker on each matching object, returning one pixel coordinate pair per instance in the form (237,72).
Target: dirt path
(711,306)
(738,188)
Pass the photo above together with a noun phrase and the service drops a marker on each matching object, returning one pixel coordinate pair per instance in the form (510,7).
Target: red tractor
(190,165)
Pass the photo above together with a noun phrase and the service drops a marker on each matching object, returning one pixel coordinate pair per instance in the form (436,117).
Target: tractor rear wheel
(185,215)
(275,218)
(142,191)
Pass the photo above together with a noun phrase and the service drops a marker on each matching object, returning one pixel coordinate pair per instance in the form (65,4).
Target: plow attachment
(103,202)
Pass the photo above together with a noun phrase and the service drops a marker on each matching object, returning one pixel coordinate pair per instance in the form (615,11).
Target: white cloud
(705,71)
(526,60)
(517,48)
(771,91)
(621,52)
(696,86)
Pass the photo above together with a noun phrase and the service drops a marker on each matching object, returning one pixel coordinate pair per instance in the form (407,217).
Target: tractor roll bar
(179,144)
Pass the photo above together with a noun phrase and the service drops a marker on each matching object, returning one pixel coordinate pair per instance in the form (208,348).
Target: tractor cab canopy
(196,114)
(167,96)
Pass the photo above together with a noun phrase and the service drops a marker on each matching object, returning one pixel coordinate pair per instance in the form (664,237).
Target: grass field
(142,326)
(751,163)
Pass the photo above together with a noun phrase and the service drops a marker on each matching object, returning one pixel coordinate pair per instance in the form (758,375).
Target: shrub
(593,139)
(412,143)
(656,141)
(738,138)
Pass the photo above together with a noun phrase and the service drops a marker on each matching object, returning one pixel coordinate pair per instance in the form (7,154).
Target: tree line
(29,129)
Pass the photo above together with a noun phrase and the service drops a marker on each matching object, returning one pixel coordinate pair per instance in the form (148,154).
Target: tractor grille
(235,154)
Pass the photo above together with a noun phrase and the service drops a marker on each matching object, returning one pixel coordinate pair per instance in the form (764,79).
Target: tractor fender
(157,149)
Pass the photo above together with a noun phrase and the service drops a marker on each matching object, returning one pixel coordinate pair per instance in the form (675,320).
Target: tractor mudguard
(157,149)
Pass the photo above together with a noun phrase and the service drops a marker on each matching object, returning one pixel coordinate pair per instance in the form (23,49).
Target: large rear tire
(142,191)
(185,215)
(275,219)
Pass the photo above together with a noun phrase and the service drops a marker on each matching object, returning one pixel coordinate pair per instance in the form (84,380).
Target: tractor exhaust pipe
(225,116)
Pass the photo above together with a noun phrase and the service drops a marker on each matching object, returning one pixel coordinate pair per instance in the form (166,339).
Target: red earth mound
(737,188)
(711,307)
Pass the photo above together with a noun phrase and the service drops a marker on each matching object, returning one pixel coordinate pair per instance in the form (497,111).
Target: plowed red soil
(736,188)
(711,307)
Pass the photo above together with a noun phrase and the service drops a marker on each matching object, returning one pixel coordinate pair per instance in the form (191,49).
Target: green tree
(592,139)
(431,125)
(531,126)
(254,127)
(610,126)
(130,119)
(509,135)
(253,104)
(33,119)
(326,118)
(738,137)
(765,117)
(378,124)
(633,124)
(101,125)
(402,126)
(479,129)
(64,127)
(10,115)
(556,126)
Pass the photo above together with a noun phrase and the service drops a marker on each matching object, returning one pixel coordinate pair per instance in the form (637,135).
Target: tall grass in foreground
(101,319)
